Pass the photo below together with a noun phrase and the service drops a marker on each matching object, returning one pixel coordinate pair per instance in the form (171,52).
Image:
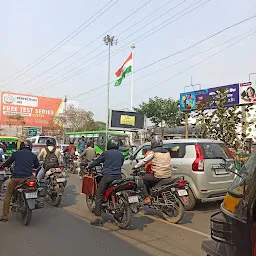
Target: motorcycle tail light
(60,185)
(58,170)
(182,183)
(31,183)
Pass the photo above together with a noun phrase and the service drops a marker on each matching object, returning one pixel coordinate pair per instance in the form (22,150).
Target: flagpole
(133,47)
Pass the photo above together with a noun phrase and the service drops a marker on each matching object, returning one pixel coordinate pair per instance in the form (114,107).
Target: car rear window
(42,140)
(36,150)
(215,150)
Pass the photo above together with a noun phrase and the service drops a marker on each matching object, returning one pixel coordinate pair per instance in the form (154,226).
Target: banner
(36,111)
(238,94)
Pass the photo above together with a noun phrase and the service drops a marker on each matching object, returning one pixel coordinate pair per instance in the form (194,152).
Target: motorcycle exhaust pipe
(39,205)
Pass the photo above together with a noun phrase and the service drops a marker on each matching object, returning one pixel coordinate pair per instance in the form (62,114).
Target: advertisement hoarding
(36,111)
(238,94)
(126,121)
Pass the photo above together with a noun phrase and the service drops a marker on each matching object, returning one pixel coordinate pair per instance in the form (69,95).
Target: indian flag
(124,70)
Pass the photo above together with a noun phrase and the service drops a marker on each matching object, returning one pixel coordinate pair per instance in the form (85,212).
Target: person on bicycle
(50,156)
(160,166)
(112,160)
(87,156)
(25,161)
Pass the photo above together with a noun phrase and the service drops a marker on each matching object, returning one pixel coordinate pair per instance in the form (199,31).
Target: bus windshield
(246,172)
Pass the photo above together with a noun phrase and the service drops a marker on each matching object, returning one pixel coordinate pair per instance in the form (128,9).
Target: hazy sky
(30,28)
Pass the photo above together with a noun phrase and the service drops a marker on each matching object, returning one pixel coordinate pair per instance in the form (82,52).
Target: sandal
(3,219)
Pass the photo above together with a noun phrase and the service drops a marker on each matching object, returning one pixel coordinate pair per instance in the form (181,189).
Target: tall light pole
(109,41)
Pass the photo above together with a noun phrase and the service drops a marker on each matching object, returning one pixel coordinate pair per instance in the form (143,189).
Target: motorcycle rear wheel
(169,216)
(26,216)
(56,200)
(124,221)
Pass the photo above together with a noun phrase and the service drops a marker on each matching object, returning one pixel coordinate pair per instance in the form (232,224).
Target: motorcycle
(116,200)
(24,200)
(169,196)
(53,185)
(70,163)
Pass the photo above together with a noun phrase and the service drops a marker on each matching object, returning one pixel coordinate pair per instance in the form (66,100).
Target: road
(66,231)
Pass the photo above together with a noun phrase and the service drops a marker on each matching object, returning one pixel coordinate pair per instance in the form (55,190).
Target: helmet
(113,143)
(26,144)
(156,141)
(51,142)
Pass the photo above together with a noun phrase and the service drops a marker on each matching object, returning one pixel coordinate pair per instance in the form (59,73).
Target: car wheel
(191,201)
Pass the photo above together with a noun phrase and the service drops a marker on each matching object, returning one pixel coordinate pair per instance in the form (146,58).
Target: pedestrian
(81,144)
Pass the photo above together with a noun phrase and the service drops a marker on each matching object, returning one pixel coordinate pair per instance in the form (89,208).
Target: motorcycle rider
(161,165)
(70,152)
(87,156)
(112,160)
(25,161)
(51,157)
(2,146)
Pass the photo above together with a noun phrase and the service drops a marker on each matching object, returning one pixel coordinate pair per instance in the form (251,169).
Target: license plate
(32,195)
(220,171)
(133,199)
(61,179)
(182,192)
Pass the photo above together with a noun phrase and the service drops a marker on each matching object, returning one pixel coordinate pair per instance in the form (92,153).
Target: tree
(76,120)
(162,111)
(221,122)
(101,125)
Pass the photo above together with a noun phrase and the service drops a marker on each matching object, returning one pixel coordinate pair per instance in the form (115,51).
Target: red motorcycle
(116,200)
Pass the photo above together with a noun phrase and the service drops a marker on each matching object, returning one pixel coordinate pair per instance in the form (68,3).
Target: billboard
(37,111)
(126,121)
(238,94)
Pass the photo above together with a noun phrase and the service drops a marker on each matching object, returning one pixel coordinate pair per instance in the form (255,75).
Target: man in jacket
(51,147)
(112,160)
(160,166)
(25,161)
(87,156)
(81,144)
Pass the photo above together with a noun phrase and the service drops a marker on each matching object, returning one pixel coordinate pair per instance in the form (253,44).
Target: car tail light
(181,183)
(31,183)
(198,165)
(129,185)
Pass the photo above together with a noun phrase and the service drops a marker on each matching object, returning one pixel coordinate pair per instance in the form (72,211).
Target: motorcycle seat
(166,182)
(115,182)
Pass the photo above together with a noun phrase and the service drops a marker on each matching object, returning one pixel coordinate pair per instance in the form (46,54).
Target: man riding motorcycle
(160,166)
(87,156)
(51,157)
(112,160)
(25,161)
(70,150)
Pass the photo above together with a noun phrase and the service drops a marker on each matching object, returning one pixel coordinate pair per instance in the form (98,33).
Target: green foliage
(222,122)
(101,125)
(162,111)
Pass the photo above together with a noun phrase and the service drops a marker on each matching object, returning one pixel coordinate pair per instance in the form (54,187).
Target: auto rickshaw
(233,229)
(12,144)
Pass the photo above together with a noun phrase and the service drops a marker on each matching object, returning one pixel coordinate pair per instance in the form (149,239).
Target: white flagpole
(133,47)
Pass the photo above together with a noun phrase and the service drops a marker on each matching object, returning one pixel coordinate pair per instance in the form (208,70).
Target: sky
(29,29)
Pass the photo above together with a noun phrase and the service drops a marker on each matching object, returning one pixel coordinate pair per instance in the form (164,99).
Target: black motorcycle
(168,196)
(24,200)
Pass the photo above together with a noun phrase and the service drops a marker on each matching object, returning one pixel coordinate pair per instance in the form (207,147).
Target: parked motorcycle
(116,200)
(168,196)
(53,185)
(24,200)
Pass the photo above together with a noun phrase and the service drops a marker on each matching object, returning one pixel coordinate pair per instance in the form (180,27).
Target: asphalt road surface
(66,231)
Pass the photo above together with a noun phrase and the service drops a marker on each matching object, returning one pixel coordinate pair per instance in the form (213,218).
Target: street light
(109,41)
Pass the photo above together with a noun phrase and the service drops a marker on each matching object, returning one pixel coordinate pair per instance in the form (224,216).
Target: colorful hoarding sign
(37,111)
(238,94)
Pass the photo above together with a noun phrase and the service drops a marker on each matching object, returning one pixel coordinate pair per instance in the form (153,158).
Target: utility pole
(109,41)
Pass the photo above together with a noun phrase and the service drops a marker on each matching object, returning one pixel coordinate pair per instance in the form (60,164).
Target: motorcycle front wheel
(90,202)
